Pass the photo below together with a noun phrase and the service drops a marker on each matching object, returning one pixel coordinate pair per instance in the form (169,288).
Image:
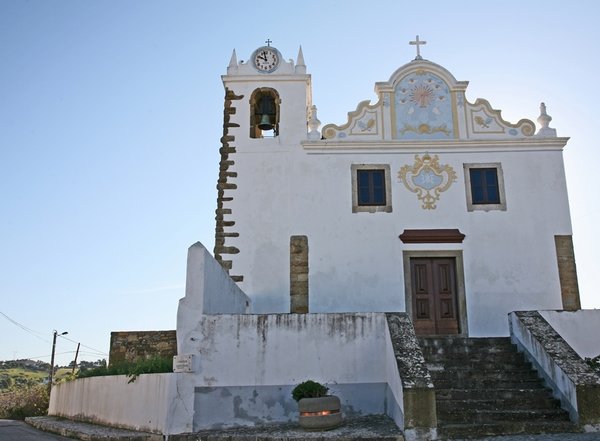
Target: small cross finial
(268,42)
(417,43)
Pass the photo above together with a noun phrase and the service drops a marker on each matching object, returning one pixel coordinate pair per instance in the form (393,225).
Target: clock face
(266,59)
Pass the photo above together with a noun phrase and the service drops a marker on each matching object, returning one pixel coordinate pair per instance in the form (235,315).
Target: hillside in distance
(16,374)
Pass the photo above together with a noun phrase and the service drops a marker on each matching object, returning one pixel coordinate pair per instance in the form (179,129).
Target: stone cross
(269,41)
(417,43)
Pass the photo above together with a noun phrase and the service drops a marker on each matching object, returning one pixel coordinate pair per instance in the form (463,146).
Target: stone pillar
(299,274)
(567,272)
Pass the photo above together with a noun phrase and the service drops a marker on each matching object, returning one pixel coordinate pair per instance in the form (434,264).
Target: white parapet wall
(208,290)
(245,365)
(151,403)
(571,379)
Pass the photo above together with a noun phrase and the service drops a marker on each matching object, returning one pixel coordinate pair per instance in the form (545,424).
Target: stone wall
(299,274)
(224,184)
(139,345)
(567,272)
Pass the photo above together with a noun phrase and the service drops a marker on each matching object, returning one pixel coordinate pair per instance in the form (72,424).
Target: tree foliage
(24,402)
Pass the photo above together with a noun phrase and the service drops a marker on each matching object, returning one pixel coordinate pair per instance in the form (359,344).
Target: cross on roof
(417,43)
(269,41)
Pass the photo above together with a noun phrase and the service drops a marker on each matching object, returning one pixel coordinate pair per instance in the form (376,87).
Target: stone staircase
(484,387)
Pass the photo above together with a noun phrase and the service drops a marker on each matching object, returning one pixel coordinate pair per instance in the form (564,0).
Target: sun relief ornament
(423,106)
(427,179)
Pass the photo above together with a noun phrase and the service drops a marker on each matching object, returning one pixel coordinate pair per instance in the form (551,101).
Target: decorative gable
(423,101)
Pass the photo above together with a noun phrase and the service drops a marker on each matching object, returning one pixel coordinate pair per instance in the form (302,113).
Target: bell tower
(268,104)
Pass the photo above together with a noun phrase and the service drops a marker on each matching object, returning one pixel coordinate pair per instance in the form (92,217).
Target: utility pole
(55,333)
(75,361)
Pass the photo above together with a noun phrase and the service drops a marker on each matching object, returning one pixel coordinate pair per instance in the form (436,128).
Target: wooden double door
(434,299)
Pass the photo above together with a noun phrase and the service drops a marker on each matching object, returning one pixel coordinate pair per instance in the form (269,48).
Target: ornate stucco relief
(365,120)
(423,107)
(483,120)
(428,179)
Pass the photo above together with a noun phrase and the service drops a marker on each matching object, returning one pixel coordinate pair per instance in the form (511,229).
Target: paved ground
(373,428)
(11,430)
(552,437)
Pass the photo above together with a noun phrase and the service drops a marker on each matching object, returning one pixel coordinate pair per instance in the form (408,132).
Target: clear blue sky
(111,114)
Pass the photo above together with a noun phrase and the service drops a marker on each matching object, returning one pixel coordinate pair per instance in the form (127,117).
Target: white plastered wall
(355,259)
(580,329)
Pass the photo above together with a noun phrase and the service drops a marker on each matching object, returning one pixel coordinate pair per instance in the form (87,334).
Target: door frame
(461,299)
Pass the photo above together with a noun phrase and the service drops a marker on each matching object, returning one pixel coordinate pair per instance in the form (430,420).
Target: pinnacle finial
(233,62)
(300,65)
(544,121)
(300,59)
(313,123)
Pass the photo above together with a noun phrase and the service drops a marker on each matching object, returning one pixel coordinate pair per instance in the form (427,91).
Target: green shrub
(25,402)
(309,389)
(156,365)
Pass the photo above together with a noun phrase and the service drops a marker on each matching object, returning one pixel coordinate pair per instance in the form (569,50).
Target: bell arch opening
(264,113)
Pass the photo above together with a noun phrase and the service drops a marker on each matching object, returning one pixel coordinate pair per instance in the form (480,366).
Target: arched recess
(264,113)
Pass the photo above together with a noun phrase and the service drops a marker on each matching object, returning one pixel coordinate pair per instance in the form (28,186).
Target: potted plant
(318,410)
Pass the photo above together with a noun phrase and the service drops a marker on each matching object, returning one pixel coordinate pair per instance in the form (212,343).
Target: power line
(37,335)
(25,328)
(37,357)
(88,347)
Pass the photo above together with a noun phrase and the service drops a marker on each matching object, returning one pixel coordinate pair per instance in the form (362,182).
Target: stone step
(476,375)
(488,383)
(462,350)
(491,394)
(479,365)
(514,403)
(484,387)
(462,431)
(474,359)
(463,341)
(485,416)
(467,349)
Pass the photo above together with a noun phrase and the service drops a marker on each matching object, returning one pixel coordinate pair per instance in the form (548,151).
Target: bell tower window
(264,113)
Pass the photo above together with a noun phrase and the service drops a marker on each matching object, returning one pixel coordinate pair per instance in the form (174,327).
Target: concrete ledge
(571,379)
(368,428)
(420,413)
(88,432)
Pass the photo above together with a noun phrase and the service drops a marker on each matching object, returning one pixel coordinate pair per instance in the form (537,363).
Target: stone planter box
(322,413)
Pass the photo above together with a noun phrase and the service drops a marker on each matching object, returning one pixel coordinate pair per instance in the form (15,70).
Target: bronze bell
(265,123)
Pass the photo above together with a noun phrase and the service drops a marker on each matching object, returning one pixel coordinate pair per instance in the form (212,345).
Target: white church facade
(337,247)
(421,202)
